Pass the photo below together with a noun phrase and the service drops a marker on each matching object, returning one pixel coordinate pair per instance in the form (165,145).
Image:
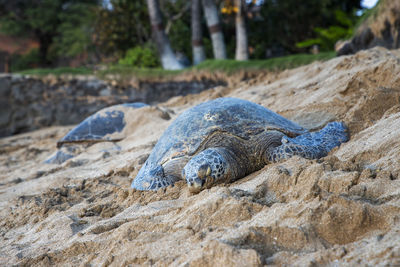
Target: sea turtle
(107,125)
(225,139)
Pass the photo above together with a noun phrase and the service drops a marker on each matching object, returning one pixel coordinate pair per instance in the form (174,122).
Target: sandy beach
(340,210)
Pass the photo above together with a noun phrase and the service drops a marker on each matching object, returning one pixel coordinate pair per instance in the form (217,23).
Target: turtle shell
(238,117)
(105,125)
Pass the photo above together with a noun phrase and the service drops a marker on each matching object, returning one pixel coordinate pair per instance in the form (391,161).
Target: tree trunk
(241,33)
(168,58)
(217,37)
(45,40)
(7,63)
(197,35)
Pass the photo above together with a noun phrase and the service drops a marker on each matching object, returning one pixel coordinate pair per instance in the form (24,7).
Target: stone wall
(28,103)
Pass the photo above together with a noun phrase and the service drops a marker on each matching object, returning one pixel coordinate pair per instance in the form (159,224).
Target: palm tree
(197,35)
(241,32)
(217,37)
(168,58)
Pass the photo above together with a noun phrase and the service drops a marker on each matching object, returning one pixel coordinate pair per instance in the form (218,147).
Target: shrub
(141,57)
(327,37)
(27,61)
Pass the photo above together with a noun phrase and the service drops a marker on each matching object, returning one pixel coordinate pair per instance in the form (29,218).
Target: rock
(381,29)
(5,87)
(5,116)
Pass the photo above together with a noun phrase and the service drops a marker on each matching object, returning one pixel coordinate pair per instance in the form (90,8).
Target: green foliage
(10,26)
(287,22)
(66,28)
(75,30)
(127,25)
(141,57)
(124,26)
(62,23)
(327,37)
(179,37)
(27,61)
(26,16)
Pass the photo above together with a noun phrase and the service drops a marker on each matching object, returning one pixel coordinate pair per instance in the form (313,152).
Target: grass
(228,66)
(126,71)
(57,71)
(280,63)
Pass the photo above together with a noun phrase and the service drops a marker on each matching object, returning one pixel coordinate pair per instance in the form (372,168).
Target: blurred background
(87,34)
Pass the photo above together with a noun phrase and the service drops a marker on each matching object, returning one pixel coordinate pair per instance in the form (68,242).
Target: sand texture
(341,210)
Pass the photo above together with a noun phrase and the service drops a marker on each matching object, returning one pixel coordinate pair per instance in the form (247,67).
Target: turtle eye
(204,171)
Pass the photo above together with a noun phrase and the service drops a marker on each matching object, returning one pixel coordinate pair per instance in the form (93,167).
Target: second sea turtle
(110,124)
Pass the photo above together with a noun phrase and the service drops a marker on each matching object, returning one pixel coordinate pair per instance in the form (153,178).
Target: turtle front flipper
(312,145)
(154,178)
(212,166)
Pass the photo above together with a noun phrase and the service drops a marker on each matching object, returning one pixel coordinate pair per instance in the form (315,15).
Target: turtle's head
(205,169)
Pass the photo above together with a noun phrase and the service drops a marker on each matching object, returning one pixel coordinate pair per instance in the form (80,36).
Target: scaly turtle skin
(106,125)
(225,139)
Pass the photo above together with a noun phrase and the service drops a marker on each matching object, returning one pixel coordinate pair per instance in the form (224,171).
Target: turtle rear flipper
(311,145)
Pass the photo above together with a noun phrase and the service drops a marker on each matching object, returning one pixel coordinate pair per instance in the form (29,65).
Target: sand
(340,210)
